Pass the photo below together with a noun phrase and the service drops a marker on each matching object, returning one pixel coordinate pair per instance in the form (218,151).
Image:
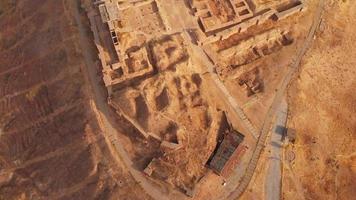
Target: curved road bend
(110,133)
(276,102)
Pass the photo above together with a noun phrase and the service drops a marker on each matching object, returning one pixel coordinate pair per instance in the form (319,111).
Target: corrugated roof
(225,150)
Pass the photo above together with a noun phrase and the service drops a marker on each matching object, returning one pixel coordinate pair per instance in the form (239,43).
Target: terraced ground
(51,146)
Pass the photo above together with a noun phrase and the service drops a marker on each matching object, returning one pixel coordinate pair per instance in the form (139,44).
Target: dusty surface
(51,146)
(177,102)
(134,109)
(322,105)
(173,104)
(321,164)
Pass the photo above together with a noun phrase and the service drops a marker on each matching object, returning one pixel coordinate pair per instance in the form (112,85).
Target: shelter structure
(227,153)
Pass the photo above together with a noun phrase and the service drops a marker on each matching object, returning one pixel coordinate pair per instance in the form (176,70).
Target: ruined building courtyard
(177,99)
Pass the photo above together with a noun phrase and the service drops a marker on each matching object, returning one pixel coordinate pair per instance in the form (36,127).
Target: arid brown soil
(52,143)
(322,107)
(51,146)
(321,164)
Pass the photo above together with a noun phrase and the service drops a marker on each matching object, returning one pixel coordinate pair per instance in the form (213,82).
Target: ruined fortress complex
(220,19)
(138,22)
(118,21)
(177,99)
(155,81)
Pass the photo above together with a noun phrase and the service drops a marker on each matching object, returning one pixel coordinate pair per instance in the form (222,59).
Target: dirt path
(230,101)
(110,132)
(178,22)
(103,111)
(277,100)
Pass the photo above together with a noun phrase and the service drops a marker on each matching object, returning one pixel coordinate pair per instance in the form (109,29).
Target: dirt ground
(322,106)
(51,146)
(321,164)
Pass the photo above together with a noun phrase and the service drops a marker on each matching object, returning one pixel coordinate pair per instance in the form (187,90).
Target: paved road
(110,133)
(273,178)
(276,102)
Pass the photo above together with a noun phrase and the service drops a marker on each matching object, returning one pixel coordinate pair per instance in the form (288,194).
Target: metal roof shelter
(227,154)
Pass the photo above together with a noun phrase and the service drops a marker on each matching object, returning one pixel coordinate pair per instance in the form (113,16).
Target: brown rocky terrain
(51,146)
(322,107)
(60,139)
(321,163)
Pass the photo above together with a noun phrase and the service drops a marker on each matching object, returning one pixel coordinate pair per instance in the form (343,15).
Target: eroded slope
(51,146)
